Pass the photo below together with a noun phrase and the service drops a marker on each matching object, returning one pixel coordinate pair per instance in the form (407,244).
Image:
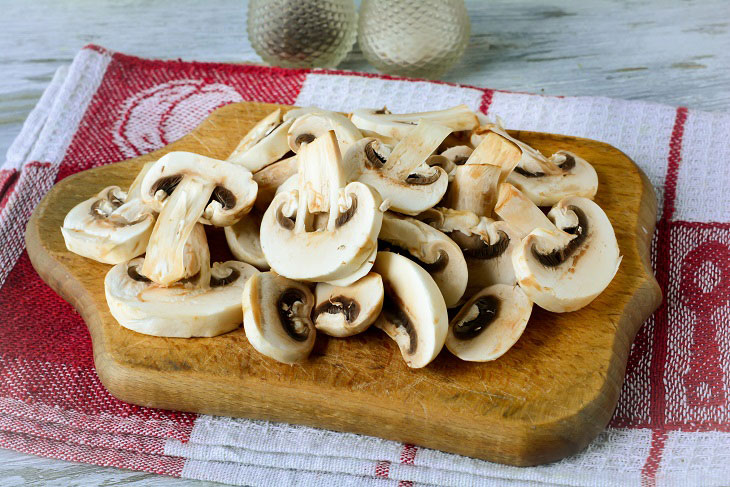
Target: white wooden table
(667,51)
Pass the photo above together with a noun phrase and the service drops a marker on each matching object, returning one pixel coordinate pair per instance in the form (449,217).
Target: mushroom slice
(264,144)
(244,242)
(487,245)
(349,310)
(429,248)
(398,125)
(474,188)
(270,178)
(326,229)
(489,323)
(276,317)
(564,277)
(186,188)
(495,146)
(208,304)
(458,155)
(107,228)
(520,212)
(403,175)
(576,178)
(414,313)
(308,127)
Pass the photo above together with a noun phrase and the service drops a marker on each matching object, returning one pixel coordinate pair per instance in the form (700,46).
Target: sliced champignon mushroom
(561,276)
(414,313)
(113,226)
(326,229)
(270,178)
(495,146)
(358,273)
(576,178)
(430,249)
(349,310)
(458,155)
(186,188)
(244,242)
(398,125)
(276,317)
(487,246)
(264,144)
(474,188)
(108,228)
(308,127)
(520,212)
(489,323)
(402,175)
(204,305)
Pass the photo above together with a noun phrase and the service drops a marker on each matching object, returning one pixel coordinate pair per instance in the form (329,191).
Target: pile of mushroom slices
(343,222)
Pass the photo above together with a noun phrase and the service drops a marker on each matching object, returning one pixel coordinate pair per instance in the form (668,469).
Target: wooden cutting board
(547,398)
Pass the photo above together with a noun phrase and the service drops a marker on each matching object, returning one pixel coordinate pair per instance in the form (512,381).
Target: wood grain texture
(548,397)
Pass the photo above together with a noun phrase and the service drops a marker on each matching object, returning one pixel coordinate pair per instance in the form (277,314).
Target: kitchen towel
(672,423)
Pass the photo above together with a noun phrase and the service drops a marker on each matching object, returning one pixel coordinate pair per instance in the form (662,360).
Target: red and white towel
(672,424)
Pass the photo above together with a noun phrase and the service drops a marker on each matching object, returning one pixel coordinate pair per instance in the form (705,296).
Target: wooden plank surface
(672,52)
(548,397)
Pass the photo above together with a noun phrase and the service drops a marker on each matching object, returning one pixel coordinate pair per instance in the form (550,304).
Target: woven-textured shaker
(302,33)
(421,38)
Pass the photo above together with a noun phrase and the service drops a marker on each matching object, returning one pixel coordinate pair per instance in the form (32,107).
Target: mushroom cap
(322,255)
(182,310)
(577,178)
(107,228)
(358,273)
(276,317)
(233,189)
(270,178)
(311,125)
(489,323)
(264,144)
(414,313)
(431,249)
(398,125)
(244,242)
(487,249)
(458,154)
(565,277)
(409,195)
(349,310)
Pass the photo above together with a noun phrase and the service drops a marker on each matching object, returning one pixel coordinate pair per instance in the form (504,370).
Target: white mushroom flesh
(398,125)
(276,318)
(207,304)
(349,310)
(414,313)
(577,178)
(489,324)
(187,188)
(326,229)
(429,248)
(108,228)
(566,277)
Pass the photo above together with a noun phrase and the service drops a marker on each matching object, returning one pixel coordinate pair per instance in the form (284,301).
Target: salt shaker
(421,38)
(302,33)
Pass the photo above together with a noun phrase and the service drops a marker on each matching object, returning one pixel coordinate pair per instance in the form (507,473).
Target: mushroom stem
(320,180)
(164,262)
(497,151)
(398,125)
(474,188)
(415,148)
(521,213)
